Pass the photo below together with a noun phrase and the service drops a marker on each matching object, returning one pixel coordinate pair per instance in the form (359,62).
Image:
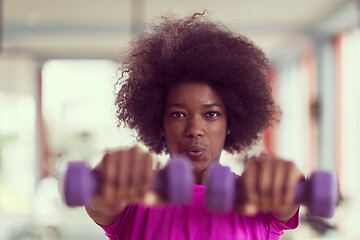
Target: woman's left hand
(268,184)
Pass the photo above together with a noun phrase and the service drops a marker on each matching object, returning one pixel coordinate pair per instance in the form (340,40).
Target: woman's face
(195,123)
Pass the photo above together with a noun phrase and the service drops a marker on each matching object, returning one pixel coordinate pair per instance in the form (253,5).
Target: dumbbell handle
(173,183)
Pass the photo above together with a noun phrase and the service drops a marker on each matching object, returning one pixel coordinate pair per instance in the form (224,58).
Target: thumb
(248,209)
(152,199)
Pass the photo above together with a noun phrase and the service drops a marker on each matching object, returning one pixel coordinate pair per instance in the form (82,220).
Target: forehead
(191,93)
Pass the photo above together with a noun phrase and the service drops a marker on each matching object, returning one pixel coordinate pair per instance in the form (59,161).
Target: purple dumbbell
(319,194)
(221,188)
(173,183)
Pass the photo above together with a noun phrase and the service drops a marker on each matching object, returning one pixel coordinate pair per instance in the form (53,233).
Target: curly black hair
(195,48)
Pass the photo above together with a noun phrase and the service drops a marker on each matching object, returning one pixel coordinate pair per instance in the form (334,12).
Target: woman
(193,87)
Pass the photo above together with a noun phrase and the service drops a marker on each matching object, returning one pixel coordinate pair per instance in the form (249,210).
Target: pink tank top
(194,222)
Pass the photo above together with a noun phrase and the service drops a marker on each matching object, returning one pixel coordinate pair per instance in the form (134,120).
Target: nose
(195,127)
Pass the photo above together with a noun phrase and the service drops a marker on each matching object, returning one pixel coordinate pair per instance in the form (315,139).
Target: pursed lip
(194,151)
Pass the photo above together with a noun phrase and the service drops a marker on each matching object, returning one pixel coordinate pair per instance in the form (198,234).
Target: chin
(199,165)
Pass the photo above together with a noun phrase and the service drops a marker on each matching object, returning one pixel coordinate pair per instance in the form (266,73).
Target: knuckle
(104,161)
(106,156)
(253,160)
(290,165)
(134,150)
(251,167)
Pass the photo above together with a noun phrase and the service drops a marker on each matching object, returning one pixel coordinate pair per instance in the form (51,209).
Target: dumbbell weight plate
(178,180)
(220,193)
(324,194)
(79,184)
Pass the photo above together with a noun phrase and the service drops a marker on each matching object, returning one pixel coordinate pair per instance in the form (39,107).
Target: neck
(199,178)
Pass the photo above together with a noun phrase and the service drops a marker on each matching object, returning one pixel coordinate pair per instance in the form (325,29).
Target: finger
(264,182)
(152,199)
(148,175)
(123,179)
(292,176)
(137,174)
(278,184)
(109,175)
(248,208)
(248,186)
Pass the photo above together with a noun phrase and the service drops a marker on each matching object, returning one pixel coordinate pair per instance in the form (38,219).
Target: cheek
(219,135)
(172,130)
(172,136)
(172,144)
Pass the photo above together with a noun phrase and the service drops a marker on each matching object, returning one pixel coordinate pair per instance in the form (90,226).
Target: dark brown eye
(177,115)
(212,114)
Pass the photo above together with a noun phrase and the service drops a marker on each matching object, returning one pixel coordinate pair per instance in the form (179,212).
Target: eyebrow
(182,105)
(213,105)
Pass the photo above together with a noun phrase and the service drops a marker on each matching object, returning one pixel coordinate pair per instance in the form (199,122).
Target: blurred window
(294,131)
(17,152)
(78,109)
(350,113)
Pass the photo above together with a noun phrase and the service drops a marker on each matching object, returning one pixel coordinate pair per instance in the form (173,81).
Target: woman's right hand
(125,176)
